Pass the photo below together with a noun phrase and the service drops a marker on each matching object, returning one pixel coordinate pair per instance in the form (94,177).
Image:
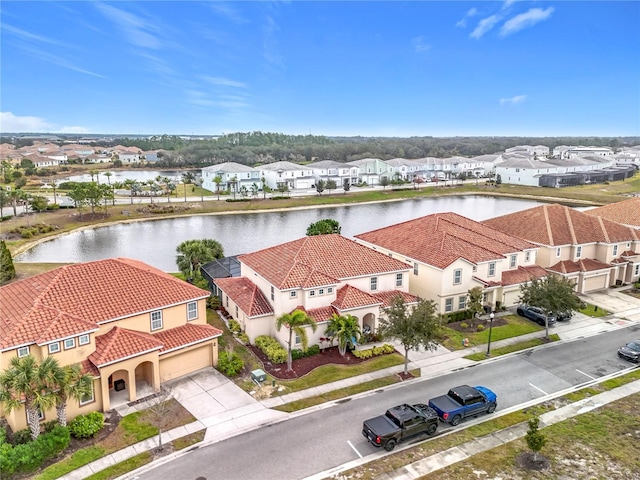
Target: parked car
(464,401)
(630,351)
(564,316)
(400,423)
(536,314)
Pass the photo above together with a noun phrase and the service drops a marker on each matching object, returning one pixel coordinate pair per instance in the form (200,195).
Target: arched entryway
(369,324)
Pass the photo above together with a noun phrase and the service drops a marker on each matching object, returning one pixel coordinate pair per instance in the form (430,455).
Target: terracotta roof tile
(349,297)
(185,335)
(442,238)
(120,343)
(320,314)
(626,212)
(522,274)
(585,265)
(304,262)
(385,298)
(555,225)
(73,299)
(87,367)
(246,295)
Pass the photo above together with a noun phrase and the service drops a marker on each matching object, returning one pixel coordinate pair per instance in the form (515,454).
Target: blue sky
(369,68)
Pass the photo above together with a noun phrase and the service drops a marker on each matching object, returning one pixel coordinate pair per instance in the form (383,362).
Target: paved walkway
(224,410)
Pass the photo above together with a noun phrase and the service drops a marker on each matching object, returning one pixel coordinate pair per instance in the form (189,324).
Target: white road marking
(539,389)
(354,449)
(585,374)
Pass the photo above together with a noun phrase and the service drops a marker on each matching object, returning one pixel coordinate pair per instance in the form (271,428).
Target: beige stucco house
(451,254)
(128,324)
(594,252)
(321,275)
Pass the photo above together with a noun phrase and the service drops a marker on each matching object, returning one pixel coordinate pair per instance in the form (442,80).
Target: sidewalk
(224,410)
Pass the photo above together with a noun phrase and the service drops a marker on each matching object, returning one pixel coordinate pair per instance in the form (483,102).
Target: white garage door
(597,282)
(185,363)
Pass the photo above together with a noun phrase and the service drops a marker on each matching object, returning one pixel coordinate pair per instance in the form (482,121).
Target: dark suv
(536,314)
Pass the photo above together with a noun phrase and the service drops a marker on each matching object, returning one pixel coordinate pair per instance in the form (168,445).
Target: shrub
(385,349)
(363,354)
(230,364)
(213,302)
(21,437)
(312,350)
(296,354)
(243,337)
(234,326)
(271,348)
(464,325)
(480,327)
(25,458)
(85,426)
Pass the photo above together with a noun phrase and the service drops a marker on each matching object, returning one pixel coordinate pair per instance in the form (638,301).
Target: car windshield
(634,346)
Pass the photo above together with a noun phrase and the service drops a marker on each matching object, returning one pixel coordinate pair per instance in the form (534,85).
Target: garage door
(185,362)
(597,282)
(511,298)
(303,184)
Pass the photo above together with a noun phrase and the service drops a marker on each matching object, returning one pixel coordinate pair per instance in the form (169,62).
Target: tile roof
(442,238)
(626,212)
(318,260)
(555,225)
(246,295)
(185,335)
(72,299)
(120,343)
(522,275)
(320,314)
(584,265)
(349,297)
(387,297)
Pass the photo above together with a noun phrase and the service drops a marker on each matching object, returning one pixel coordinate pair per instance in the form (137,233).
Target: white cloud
(484,26)
(513,100)
(12,123)
(135,28)
(472,12)
(227,11)
(225,82)
(525,20)
(419,45)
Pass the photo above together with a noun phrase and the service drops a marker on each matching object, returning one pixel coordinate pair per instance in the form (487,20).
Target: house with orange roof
(594,252)
(451,254)
(626,212)
(321,275)
(128,324)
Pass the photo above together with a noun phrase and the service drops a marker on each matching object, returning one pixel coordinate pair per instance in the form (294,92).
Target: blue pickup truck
(464,401)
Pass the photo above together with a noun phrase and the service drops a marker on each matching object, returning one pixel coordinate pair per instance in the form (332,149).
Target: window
(457,276)
(293,294)
(312,293)
(475,268)
(321,291)
(615,250)
(462,302)
(23,351)
(527,256)
(558,251)
(54,347)
(87,398)
(448,305)
(329,290)
(272,293)
(492,269)
(227,300)
(69,343)
(415,268)
(398,279)
(156,320)
(83,339)
(512,261)
(237,313)
(578,251)
(192,310)
(374,284)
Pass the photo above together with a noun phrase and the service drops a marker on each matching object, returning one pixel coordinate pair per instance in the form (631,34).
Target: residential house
(451,254)
(321,275)
(233,176)
(593,252)
(289,175)
(403,169)
(40,161)
(626,212)
(126,323)
(371,169)
(336,171)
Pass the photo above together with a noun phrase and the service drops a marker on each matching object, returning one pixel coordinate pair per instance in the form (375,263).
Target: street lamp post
(490,325)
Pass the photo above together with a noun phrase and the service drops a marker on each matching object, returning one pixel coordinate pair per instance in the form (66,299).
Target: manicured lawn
(496,352)
(594,311)
(515,327)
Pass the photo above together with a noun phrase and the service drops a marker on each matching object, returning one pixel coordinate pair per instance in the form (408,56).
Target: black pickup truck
(399,423)
(464,401)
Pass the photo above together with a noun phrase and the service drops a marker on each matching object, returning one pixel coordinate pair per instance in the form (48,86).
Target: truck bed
(443,404)
(380,425)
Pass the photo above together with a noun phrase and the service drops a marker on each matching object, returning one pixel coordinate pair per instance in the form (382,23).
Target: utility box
(258,375)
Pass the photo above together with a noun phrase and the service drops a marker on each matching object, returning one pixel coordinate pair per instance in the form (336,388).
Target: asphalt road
(315,442)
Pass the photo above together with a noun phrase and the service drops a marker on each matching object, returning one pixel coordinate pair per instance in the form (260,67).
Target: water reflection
(155,241)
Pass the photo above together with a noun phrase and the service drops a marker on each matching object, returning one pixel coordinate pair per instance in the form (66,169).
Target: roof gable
(245,294)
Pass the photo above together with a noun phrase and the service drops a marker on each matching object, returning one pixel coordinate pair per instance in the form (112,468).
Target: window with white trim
(54,347)
(156,320)
(293,294)
(399,279)
(415,268)
(374,284)
(492,269)
(457,276)
(23,351)
(578,251)
(69,343)
(615,250)
(83,339)
(312,293)
(321,291)
(329,290)
(192,311)
(558,251)
(475,268)
(272,293)
(462,302)
(237,312)
(527,256)
(637,272)
(89,398)
(448,305)
(512,261)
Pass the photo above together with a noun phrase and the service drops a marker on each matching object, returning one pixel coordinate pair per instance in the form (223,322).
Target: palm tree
(195,253)
(27,382)
(70,382)
(295,322)
(218,180)
(346,330)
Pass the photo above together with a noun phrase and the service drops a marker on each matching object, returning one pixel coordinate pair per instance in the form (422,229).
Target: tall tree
(7,269)
(331,185)
(553,294)
(187,179)
(192,254)
(417,328)
(346,185)
(384,181)
(323,227)
(69,382)
(474,301)
(346,330)
(320,186)
(27,383)
(296,322)
(217,180)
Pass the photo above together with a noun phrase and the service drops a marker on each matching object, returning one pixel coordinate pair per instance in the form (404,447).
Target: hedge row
(374,352)
(312,350)
(272,349)
(27,457)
